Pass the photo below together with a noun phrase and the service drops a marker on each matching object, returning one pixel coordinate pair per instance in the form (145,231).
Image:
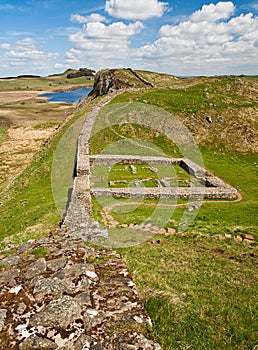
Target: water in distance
(67,96)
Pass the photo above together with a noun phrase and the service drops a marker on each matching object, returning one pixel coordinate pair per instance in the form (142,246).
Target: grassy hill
(200,287)
(55,82)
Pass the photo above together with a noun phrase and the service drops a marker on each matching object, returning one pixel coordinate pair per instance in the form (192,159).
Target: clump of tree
(82,72)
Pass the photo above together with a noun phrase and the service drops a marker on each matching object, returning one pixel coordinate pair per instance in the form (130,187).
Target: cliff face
(108,81)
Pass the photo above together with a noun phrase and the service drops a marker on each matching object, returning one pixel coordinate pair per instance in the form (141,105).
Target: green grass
(44,83)
(199,292)
(132,139)
(214,217)
(40,252)
(227,102)
(29,202)
(102,175)
(197,99)
(240,171)
(3,134)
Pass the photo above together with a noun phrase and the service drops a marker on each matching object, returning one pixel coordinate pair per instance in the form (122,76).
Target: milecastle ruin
(210,186)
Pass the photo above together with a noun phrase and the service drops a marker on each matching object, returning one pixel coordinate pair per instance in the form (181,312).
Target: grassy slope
(224,144)
(51,83)
(201,292)
(28,209)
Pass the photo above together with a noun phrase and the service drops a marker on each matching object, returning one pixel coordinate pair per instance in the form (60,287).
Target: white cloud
(210,42)
(26,56)
(135,9)
(94,17)
(211,12)
(99,44)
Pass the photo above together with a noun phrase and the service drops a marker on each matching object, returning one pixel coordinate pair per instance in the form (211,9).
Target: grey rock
(10,260)
(24,247)
(58,313)
(3,314)
(7,278)
(83,299)
(37,343)
(56,264)
(36,268)
(72,272)
(82,343)
(48,286)
(96,345)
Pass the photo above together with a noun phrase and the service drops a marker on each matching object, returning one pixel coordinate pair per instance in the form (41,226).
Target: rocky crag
(115,80)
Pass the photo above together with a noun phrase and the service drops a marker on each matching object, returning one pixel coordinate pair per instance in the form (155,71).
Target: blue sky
(190,37)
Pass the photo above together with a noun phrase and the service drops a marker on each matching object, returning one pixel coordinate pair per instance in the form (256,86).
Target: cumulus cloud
(94,17)
(26,56)
(211,12)
(99,43)
(135,9)
(209,40)
(212,40)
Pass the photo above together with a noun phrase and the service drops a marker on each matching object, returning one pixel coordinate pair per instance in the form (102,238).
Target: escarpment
(114,80)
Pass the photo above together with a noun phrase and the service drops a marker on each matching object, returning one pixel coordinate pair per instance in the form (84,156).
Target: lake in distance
(72,96)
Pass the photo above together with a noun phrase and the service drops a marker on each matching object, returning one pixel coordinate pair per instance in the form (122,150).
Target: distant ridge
(25,76)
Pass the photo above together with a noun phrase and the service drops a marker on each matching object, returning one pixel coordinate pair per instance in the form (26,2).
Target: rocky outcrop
(113,80)
(107,81)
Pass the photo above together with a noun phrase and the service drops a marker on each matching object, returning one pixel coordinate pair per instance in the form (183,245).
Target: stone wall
(166,192)
(213,187)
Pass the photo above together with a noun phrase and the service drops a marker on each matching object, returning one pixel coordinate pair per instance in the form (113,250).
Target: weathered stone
(48,286)
(154,228)
(250,237)
(92,275)
(10,260)
(56,264)
(148,225)
(162,231)
(83,299)
(171,231)
(36,268)
(82,343)
(21,308)
(37,343)
(72,272)
(92,318)
(7,278)
(3,314)
(58,313)
(24,247)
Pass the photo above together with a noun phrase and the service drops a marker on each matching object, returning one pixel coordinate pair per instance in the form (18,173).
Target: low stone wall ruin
(213,187)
